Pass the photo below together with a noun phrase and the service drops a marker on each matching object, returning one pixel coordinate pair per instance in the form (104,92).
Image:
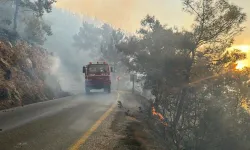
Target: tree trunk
(179,108)
(16,15)
(183,93)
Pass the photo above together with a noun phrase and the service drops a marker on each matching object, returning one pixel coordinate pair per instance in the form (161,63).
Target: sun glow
(243,63)
(243,48)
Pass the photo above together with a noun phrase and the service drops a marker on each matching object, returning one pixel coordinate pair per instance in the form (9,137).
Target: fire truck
(97,76)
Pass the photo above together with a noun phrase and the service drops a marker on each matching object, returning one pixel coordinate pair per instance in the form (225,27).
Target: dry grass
(136,127)
(28,66)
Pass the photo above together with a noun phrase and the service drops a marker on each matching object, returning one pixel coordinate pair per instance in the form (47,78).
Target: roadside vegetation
(25,66)
(200,95)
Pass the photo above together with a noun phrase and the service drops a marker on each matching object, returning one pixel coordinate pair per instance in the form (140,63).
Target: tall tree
(216,24)
(36,30)
(38,7)
(99,41)
(182,69)
(88,37)
(111,38)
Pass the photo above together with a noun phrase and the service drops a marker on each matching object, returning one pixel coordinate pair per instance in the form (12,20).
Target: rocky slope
(24,71)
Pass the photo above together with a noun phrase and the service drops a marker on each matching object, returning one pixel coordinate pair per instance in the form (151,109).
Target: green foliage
(38,7)
(25,19)
(193,77)
(36,31)
(108,46)
(215,20)
(88,37)
(100,42)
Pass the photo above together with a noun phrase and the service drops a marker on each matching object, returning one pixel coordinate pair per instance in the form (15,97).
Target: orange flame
(245,105)
(160,116)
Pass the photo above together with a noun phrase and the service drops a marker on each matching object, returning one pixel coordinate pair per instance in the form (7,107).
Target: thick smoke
(67,60)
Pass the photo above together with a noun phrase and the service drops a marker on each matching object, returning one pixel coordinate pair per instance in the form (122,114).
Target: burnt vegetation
(24,63)
(190,73)
(193,77)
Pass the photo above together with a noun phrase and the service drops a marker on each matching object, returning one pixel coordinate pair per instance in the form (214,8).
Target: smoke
(125,14)
(55,64)
(104,10)
(66,62)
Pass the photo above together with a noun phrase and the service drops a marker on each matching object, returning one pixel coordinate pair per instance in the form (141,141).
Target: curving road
(52,125)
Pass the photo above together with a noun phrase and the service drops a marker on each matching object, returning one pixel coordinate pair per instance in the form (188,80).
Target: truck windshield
(98,68)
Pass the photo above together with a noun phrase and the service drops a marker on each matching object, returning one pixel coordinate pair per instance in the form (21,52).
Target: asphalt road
(52,125)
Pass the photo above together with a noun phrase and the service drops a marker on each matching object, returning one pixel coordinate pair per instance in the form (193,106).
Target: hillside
(24,74)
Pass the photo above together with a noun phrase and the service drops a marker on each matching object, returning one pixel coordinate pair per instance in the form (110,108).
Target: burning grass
(137,127)
(159,116)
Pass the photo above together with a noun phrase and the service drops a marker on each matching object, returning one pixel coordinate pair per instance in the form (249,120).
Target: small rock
(119,104)
(4,93)
(12,103)
(8,75)
(127,113)
(10,44)
(1,129)
(140,109)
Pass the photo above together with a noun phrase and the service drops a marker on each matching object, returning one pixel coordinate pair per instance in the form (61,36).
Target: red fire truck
(97,76)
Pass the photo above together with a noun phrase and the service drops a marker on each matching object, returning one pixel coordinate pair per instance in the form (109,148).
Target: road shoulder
(126,128)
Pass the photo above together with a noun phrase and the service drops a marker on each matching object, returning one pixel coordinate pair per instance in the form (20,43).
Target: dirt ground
(127,128)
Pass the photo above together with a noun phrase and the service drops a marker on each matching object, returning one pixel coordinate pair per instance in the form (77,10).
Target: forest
(192,74)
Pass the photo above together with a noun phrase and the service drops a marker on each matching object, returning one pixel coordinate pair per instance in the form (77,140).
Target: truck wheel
(87,90)
(107,89)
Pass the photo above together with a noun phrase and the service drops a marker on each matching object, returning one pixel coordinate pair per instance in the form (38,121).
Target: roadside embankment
(24,74)
(129,127)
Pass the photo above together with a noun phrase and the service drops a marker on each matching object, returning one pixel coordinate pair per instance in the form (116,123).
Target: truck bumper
(97,84)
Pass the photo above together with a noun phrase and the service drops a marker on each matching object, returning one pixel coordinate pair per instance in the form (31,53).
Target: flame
(245,105)
(160,116)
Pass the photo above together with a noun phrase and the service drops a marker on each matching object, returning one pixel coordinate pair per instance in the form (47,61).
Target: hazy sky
(126,14)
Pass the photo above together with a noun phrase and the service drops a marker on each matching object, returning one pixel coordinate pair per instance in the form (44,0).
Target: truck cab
(97,76)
